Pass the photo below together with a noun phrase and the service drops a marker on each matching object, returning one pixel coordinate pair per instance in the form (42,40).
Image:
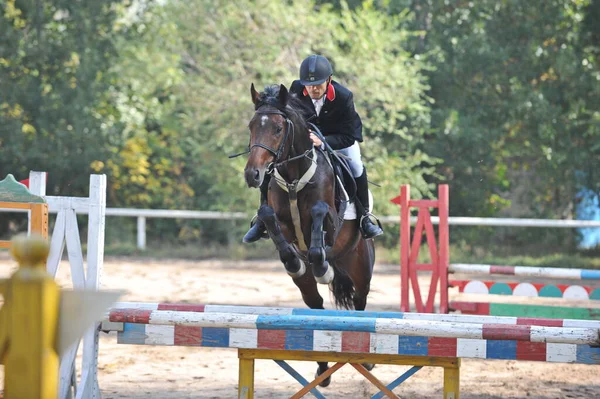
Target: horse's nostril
(252,176)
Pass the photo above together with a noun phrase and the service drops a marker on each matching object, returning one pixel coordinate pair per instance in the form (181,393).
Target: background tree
(53,82)
(498,99)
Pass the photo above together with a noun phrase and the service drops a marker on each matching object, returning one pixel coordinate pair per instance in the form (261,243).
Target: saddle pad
(350,213)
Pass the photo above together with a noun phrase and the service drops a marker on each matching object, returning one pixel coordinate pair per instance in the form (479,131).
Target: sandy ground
(177,372)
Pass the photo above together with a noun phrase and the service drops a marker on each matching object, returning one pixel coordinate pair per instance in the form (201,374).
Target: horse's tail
(342,288)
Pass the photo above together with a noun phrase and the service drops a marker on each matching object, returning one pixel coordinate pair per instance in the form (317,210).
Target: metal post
(141,232)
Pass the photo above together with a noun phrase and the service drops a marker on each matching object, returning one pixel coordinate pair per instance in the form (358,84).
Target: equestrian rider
(330,106)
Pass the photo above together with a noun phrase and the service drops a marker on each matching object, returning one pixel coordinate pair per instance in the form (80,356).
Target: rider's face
(316,92)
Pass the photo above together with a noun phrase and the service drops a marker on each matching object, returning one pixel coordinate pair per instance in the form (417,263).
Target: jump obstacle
(440,269)
(15,196)
(354,337)
(336,336)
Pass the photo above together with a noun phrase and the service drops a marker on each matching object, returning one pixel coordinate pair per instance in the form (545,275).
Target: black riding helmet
(315,70)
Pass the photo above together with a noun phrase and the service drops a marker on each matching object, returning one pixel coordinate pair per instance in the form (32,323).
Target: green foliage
(52,79)
(147,166)
(498,98)
(516,106)
(204,57)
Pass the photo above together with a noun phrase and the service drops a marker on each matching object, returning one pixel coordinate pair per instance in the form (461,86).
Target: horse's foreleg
(294,266)
(322,271)
(312,299)
(362,271)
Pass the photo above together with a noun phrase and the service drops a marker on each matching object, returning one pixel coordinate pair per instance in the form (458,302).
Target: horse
(301,215)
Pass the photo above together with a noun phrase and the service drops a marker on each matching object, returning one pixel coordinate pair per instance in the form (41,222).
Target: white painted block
(243,338)
(476,287)
(160,335)
(247,310)
(581,323)
(576,292)
(473,348)
(327,341)
(562,353)
(525,289)
(384,343)
(135,305)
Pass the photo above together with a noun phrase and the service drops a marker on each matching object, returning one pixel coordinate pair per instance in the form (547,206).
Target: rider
(330,107)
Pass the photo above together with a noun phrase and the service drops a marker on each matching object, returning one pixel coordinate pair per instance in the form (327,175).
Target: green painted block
(13,191)
(501,289)
(595,294)
(551,291)
(550,312)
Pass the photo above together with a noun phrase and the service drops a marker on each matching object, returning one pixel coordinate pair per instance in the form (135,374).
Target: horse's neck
(294,170)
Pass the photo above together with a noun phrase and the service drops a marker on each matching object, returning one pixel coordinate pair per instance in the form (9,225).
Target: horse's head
(270,129)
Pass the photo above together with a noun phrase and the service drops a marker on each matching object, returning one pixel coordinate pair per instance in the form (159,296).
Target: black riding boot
(367,227)
(258,229)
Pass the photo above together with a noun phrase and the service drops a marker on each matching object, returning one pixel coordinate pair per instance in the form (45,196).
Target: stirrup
(254,220)
(369,216)
(263,234)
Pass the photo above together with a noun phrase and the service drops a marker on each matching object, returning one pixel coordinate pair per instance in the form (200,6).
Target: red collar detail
(330,92)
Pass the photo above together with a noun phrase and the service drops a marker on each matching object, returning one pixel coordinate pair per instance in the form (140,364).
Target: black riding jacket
(338,120)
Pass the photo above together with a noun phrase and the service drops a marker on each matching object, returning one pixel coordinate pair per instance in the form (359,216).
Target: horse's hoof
(325,383)
(368,366)
(327,277)
(300,272)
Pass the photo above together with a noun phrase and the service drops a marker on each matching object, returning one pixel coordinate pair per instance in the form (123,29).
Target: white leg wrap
(327,277)
(300,271)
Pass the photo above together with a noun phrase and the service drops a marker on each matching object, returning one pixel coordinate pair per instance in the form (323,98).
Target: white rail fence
(143,214)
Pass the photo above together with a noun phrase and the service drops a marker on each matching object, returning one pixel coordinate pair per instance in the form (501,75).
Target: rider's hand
(316,141)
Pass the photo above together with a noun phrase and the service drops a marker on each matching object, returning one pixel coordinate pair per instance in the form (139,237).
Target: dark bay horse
(301,215)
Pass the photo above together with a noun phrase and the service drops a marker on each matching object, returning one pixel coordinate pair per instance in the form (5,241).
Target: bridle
(289,131)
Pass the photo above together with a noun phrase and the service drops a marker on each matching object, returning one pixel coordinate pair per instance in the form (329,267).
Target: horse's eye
(279,129)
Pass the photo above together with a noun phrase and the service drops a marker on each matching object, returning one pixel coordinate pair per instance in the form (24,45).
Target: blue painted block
(215,337)
(588,355)
(416,346)
(299,340)
(133,334)
(590,274)
(347,313)
(312,322)
(497,349)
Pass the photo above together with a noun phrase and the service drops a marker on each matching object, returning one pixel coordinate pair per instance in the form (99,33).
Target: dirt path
(178,372)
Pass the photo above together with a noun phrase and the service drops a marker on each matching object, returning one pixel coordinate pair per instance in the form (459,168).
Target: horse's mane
(294,109)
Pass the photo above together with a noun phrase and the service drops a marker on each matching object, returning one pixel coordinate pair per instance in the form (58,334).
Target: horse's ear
(254,94)
(283,95)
